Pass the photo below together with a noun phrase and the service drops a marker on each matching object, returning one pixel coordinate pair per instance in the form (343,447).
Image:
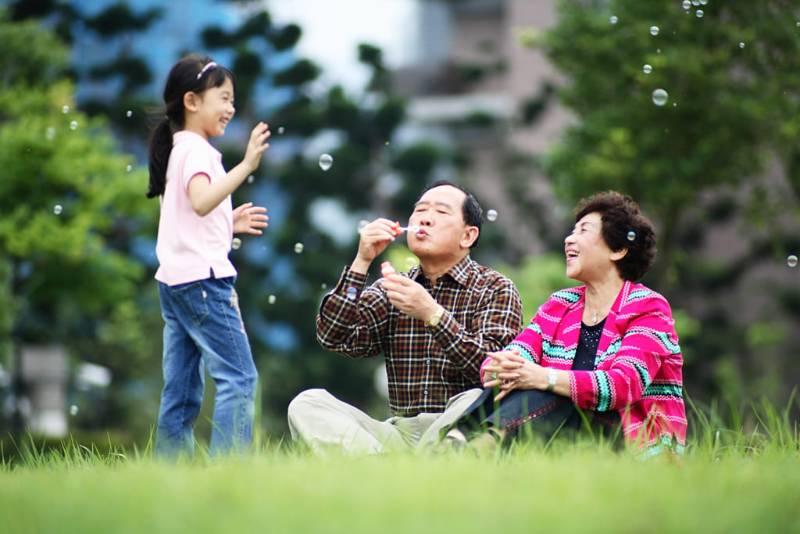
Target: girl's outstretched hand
(249,219)
(257,145)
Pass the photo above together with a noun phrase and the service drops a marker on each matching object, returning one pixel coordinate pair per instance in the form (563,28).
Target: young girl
(202,321)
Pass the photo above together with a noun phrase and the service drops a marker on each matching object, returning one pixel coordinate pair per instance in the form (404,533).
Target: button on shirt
(425,365)
(189,246)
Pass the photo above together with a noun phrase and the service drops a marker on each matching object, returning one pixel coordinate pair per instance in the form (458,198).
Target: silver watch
(551,379)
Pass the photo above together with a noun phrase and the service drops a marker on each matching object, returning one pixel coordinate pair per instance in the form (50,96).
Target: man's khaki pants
(325,423)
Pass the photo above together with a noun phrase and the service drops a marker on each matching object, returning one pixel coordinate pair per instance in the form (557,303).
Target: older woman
(607,349)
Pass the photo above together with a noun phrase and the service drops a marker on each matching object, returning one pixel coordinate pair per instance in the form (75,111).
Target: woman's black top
(587,346)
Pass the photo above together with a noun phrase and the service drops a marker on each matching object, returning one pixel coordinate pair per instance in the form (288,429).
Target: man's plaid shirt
(425,365)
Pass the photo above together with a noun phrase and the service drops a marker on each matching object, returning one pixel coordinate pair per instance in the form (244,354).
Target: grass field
(729,481)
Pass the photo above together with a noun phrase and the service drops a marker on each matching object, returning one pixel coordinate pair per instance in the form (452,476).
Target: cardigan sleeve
(528,342)
(648,340)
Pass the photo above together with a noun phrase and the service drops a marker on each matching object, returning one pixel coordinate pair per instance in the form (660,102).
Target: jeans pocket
(193,300)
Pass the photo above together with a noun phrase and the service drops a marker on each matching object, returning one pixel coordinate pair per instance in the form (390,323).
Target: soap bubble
(613,19)
(251,179)
(325,162)
(271,299)
(129,114)
(51,133)
(791,261)
(660,97)
(73,410)
(695,2)
(361,224)
(687,4)
(491,215)
(653,30)
(236,243)
(128,168)
(352,293)
(699,13)
(631,236)
(323,286)
(647,69)
(280,130)
(741,44)
(65,109)
(703,2)
(57,209)
(411,262)
(73,125)
(298,248)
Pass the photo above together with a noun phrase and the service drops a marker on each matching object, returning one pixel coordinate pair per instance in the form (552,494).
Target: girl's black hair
(187,75)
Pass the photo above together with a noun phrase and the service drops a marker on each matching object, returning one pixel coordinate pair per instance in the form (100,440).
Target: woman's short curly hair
(622,219)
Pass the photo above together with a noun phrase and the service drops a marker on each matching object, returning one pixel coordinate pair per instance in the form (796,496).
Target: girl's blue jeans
(203,328)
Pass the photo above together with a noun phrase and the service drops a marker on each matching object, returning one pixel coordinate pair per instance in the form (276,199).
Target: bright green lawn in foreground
(572,488)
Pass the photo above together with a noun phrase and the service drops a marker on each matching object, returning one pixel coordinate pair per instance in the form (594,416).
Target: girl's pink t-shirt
(189,246)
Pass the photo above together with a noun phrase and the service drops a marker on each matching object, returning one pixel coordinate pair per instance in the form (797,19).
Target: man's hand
(249,219)
(409,297)
(375,237)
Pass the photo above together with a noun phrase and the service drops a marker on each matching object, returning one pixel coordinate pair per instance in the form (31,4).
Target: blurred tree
(721,152)
(69,206)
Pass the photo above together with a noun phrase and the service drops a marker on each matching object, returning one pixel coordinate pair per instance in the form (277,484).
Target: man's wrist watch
(436,318)
(551,380)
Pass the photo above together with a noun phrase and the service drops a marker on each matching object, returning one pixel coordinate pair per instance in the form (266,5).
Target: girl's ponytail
(160,148)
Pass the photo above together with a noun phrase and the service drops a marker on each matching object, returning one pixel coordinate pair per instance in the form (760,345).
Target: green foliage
(68,208)
(536,278)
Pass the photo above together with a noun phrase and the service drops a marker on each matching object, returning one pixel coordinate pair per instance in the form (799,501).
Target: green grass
(735,479)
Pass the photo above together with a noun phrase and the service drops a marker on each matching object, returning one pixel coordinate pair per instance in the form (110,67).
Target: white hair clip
(209,65)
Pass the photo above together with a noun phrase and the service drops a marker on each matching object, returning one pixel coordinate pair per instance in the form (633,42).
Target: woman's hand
(249,219)
(510,371)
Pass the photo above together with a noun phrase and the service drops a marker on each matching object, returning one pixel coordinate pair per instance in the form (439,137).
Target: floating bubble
(658,50)
(741,44)
(491,215)
(695,2)
(631,236)
(352,293)
(654,30)
(73,410)
(797,23)
(129,114)
(51,133)
(280,130)
(699,13)
(687,4)
(613,19)
(660,97)
(65,109)
(323,286)
(411,262)
(361,224)
(236,243)
(647,69)
(791,261)
(298,248)
(128,168)
(325,162)
(703,2)
(57,209)
(251,179)
(73,125)
(271,299)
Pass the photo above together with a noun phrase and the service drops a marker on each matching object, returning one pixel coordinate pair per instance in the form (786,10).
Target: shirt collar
(460,272)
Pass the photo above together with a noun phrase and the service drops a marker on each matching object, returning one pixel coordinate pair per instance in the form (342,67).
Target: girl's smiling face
(211,110)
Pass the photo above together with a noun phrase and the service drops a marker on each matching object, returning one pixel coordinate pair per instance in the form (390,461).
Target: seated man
(433,326)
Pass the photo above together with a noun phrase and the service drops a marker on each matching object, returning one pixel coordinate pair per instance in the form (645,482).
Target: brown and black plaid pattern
(425,366)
